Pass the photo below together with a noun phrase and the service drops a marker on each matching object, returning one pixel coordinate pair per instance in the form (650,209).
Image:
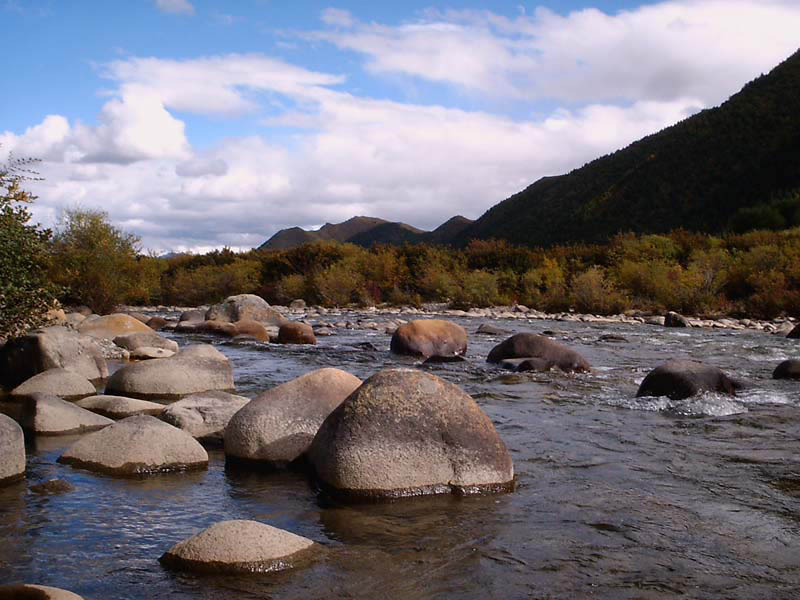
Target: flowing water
(617,497)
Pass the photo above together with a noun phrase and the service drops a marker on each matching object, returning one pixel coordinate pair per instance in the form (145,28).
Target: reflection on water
(618,497)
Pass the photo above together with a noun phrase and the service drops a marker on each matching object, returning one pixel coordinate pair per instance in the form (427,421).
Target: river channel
(617,497)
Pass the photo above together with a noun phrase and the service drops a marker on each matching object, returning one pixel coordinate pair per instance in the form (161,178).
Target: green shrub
(593,293)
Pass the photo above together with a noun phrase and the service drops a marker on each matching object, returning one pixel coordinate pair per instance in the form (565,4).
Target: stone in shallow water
(788,369)
(239,546)
(26,591)
(680,379)
(137,445)
(120,407)
(204,415)
(44,414)
(12,450)
(56,382)
(531,345)
(52,487)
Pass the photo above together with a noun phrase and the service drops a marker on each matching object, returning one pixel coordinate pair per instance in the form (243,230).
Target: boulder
(794,333)
(139,317)
(296,333)
(146,353)
(43,414)
(298,304)
(52,487)
(277,426)
(673,319)
(679,379)
(245,306)
(119,407)
(137,445)
(51,348)
(252,329)
(193,315)
(194,369)
(405,432)
(531,345)
(428,338)
(26,591)
(149,339)
(12,450)
(157,323)
(56,382)
(111,326)
(788,369)
(489,329)
(239,546)
(521,365)
(74,319)
(204,415)
(216,327)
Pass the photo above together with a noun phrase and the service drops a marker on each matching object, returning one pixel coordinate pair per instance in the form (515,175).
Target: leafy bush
(593,293)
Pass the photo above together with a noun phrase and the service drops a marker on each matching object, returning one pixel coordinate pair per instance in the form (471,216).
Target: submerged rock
(405,432)
(788,369)
(137,445)
(12,450)
(52,487)
(430,337)
(204,415)
(679,379)
(239,546)
(531,345)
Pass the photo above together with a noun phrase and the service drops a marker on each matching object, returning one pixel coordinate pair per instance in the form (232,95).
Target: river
(617,497)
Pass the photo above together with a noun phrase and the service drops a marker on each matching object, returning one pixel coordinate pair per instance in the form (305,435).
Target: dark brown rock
(679,379)
(531,345)
(430,337)
(296,333)
(788,369)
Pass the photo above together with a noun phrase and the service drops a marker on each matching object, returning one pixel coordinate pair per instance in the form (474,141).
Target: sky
(200,124)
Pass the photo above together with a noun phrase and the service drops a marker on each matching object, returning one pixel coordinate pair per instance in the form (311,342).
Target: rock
(530,345)
(56,382)
(52,487)
(157,323)
(26,591)
(245,306)
(149,339)
(51,348)
(324,332)
(788,369)
(139,317)
(137,445)
(296,333)
(277,426)
(120,407)
(679,379)
(239,546)
(794,334)
(252,329)
(74,319)
(111,326)
(428,338)
(612,337)
(150,353)
(298,304)
(489,329)
(406,432)
(194,369)
(55,316)
(655,321)
(193,315)
(43,414)
(204,415)
(434,360)
(216,327)
(12,450)
(673,319)
(521,365)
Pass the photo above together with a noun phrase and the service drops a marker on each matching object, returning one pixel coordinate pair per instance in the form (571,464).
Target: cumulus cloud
(176,7)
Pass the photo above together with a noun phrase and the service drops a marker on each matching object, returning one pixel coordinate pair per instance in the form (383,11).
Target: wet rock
(119,407)
(12,450)
(245,306)
(139,317)
(612,337)
(433,360)
(679,379)
(277,426)
(111,326)
(428,338)
(252,329)
(531,345)
(655,321)
(199,368)
(157,323)
(194,315)
(298,304)
(149,339)
(52,487)
(296,333)
(56,382)
(521,365)
(324,332)
(216,327)
(673,319)
(788,369)
(51,348)
(489,329)
(26,591)
(239,546)
(205,415)
(405,432)
(794,333)
(137,445)
(146,353)
(44,414)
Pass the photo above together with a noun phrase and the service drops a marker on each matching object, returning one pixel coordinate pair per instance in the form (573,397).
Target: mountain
(698,175)
(341,232)
(388,233)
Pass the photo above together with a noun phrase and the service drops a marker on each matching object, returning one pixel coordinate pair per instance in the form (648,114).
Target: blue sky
(198,124)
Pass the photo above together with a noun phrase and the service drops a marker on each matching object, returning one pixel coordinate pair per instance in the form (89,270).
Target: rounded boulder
(49,415)
(27,591)
(12,449)
(430,337)
(679,379)
(245,307)
(788,369)
(278,426)
(135,446)
(119,407)
(56,382)
(296,333)
(531,345)
(147,339)
(110,326)
(405,432)
(205,415)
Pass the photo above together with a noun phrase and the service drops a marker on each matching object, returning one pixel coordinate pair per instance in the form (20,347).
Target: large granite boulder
(239,546)
(27,591)
(146,353)
(12,450)
(788,369)
(120,407)
(63,383)
(296,333)
(205,415)
(111,326)
(430,337)
(148,339)
(43,414)
(190,371)
(406,432)
(245,306)
(135,446)
(531,345)
(277,426)
(679,379)
(51,348)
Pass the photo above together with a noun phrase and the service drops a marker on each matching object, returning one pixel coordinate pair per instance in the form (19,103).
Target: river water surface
(617,497)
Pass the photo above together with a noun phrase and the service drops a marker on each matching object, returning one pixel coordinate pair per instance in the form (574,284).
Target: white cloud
(337,17)
(177,7)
